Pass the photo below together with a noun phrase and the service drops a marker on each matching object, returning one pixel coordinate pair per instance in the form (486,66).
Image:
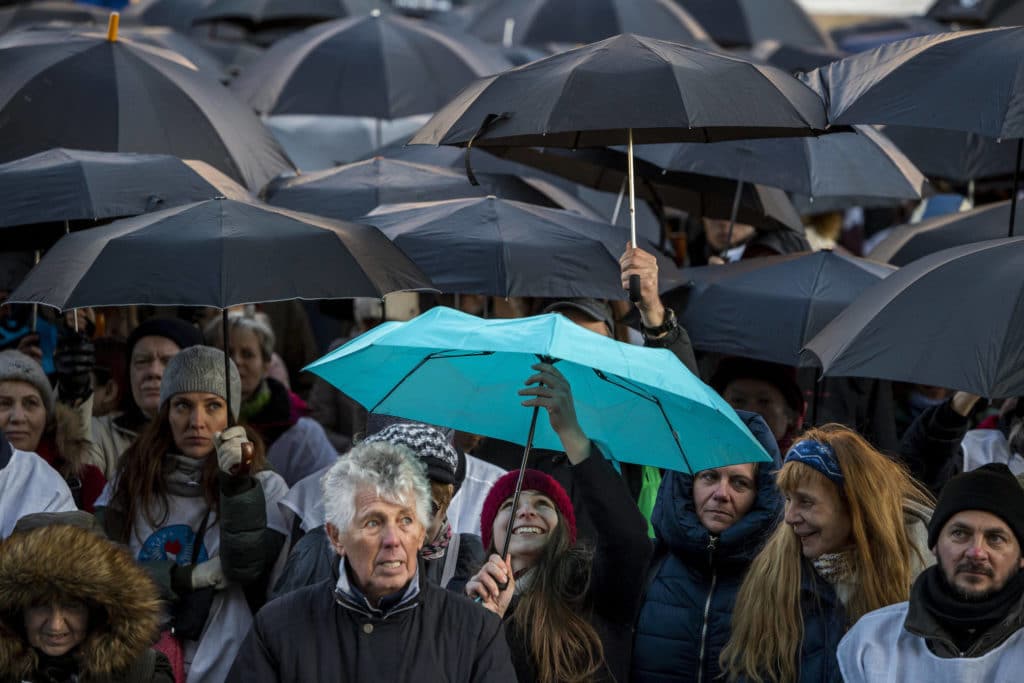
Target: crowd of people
(208,530)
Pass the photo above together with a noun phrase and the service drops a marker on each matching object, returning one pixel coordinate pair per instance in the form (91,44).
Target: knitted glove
(209,575)
(229,448)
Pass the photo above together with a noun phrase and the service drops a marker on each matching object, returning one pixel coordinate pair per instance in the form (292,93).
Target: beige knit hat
(15,366)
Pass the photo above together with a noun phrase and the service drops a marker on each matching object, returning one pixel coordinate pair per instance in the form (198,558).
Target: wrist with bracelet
(667,325)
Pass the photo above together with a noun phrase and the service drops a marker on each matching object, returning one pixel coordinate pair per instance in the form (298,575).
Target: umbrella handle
(519,488)
(634,289)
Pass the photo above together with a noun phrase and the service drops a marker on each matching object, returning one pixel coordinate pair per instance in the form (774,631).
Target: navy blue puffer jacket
(684,620)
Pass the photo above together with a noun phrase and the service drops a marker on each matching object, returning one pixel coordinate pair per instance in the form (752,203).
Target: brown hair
(873,493)
(141,485)
(563,645)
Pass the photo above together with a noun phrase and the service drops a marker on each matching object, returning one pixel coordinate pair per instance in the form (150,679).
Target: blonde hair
(873,494)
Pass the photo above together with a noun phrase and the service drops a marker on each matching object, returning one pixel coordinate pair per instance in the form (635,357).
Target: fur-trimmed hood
(69,561)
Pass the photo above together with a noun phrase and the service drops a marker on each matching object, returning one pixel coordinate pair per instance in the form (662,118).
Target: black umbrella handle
(635,289)
(519,488)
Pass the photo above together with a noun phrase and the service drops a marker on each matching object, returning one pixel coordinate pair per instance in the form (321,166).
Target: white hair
(392,471)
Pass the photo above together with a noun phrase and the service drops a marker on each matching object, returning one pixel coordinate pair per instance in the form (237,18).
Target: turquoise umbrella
(450,368)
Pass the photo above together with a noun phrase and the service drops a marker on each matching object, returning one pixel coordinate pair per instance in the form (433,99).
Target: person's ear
(334,536)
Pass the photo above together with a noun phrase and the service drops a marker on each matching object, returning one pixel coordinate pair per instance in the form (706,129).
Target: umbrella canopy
(82,91)
(870,34)
(358,188)
(320,142)
(382,66)
(590,96)
(977,12)
(505,248)
(170,39)
(792,58)
(932,82)
(39,12)
(952,319)
(861,163)
(744,22)
(540,22)
(954,155)
(177,14)
(218,253)
(70,184)
(769,308)
(619,390)
(908,243)
(698,195)
(264,13)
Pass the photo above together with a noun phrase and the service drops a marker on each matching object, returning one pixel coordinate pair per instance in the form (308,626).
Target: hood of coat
(71,562)
(916,518)
(677,525)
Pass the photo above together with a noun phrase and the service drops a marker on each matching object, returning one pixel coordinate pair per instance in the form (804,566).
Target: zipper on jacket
(712,542)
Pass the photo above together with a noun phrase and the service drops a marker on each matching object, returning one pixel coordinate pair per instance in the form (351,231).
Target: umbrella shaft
(519,485)
(1016,187)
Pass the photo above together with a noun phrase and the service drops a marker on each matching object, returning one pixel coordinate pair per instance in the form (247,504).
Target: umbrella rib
(625,384)
(430,356)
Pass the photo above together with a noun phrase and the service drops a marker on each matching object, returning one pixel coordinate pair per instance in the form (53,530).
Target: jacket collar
(922,623)
(350,597)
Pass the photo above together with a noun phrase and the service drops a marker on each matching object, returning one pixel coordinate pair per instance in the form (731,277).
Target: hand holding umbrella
(636,262)
(494,584)
(553,393)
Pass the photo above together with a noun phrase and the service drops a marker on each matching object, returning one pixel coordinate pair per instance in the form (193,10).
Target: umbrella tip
(115,19)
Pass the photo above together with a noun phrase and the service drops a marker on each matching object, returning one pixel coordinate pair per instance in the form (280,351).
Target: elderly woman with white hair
(297,445)
(381,620)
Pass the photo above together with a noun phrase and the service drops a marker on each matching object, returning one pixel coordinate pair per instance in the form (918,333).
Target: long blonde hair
(873,494)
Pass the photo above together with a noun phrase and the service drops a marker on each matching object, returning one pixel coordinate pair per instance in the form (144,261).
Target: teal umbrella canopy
(450,368)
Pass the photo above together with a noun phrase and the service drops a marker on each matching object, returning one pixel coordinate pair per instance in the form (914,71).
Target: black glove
(73,362)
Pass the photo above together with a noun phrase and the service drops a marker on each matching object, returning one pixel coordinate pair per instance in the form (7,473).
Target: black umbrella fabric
(860,163)
(590,96)
(967,81)
(700,196)
(69,184)
(734,23)
(82,91)
(540,22)
(264,13)
(973,12)
(952,319)
(40,12)
(505,248)
(169,39)
(792,58)
(218,253)
(383,66)
(907,243)
(954,156)
(769,308)
(356,189)
(176,14)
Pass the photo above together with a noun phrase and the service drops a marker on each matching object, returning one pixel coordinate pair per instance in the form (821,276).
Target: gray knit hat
(15,366)
(200,368)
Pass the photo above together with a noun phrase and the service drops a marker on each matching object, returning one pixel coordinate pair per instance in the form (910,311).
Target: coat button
(367,628)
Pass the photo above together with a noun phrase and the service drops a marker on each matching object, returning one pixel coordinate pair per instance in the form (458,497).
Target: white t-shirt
(208,659)
(28,484)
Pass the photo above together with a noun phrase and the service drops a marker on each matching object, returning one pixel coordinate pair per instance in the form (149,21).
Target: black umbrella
(627,89)
(953,155)
(218,253)
(859,163)
(269,13)
(85,91)
(498,247)
(39,12)
(539,22)
(176,14)
(161,36)
(606,169)
(769,308)
(952,319)
(65,185)
(358,188)
(386,67)
(976,12)
(967,81)
(869,34)
(745,22)
(907,243)
(792,58)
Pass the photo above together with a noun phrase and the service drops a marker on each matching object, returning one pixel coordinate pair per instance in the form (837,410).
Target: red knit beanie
(533,480)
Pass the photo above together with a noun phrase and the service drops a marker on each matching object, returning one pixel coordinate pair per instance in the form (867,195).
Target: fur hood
(68,561)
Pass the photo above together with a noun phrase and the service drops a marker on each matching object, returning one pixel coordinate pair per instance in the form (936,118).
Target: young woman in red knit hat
(569,606)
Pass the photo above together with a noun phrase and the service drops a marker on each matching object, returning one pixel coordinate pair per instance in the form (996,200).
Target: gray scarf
(184,475)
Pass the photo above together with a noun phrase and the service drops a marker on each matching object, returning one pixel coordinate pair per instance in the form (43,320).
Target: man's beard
(967,595)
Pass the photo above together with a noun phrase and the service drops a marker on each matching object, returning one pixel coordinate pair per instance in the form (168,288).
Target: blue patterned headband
(818,455)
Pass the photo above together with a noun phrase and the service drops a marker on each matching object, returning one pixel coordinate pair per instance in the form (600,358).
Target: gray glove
(229,448)
(209,575)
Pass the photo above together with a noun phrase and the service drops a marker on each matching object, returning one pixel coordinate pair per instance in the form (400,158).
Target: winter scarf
(272,410)
(436,548)
(184,475)
(965,619)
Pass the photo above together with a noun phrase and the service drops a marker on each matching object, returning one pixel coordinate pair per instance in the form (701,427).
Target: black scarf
(966,620)
(63,669)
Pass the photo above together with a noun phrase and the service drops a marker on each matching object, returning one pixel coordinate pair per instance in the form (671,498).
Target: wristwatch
(667,325)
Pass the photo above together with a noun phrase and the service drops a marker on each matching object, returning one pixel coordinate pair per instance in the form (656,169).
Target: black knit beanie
(178,331)
(991,488)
